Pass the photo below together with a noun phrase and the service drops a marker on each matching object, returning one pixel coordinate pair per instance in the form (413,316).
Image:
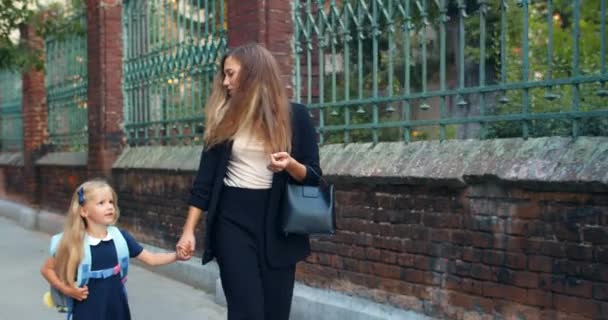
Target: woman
(255,141)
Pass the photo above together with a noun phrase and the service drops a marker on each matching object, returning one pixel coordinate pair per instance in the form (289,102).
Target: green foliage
(555,65)
(13,13)
(55,20)
(61,21)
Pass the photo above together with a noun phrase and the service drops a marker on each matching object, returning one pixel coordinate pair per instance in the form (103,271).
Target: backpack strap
(84,269)
(54,244)
(122,251)
(83,272)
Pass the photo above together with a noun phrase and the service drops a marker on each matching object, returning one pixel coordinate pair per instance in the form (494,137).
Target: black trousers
(253,290)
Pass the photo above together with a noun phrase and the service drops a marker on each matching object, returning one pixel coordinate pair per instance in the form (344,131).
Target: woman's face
(231,74)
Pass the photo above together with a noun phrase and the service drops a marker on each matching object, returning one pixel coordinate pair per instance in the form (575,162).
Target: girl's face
(99,208)
(232,67)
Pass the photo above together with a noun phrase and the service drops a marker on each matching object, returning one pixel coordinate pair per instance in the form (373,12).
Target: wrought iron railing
(11,122)
(66,86)
(170,56)
(387,70)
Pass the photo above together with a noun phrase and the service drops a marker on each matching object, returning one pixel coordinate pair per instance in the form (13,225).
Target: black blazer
(281,250)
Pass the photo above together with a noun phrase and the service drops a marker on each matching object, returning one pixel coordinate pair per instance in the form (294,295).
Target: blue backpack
(64,303)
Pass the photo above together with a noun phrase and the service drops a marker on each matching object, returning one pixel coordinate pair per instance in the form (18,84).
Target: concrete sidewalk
(152,293)
(151,296)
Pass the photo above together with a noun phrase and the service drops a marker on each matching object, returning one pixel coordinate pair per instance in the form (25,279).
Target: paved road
(151,296)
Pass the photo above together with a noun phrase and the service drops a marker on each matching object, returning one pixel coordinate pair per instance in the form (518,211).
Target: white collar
(95,241)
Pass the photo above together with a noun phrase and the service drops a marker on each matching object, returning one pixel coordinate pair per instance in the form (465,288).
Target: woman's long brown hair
(259,106)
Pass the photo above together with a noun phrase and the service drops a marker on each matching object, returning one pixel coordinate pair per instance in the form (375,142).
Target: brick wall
(11,182)
(477,251)
(153,204)
(58,183)
(267,22)
(493,245)
(446,252)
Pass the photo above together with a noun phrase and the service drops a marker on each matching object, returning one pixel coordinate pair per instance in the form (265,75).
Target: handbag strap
(318,175)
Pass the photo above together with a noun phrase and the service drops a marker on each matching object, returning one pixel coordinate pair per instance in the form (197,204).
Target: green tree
(54,20)
(13,13)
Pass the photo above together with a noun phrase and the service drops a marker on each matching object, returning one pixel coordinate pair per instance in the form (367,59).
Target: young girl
(101,296)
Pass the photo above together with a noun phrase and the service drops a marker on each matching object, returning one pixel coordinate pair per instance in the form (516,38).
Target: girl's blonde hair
(70,252)
(258,106)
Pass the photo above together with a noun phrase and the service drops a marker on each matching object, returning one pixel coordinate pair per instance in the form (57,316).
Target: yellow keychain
(48,300)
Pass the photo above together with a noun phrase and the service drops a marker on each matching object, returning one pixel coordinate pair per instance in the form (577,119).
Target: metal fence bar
(346,38)
(503,49)
(483,10)
(407,27)
(549,95)
(375,32)
(603,92)
(66,82)
(575,64)
(11,120)
(172,52)
(445,63)
(525,68)
(462,14)
(321,56)
(443,19)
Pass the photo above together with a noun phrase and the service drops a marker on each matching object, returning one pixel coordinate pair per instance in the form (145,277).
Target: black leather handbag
(309,209)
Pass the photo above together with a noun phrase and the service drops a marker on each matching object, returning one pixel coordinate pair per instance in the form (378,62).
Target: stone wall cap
(11,159)
(63,159)
(182,158)
(580,162)
(549,163)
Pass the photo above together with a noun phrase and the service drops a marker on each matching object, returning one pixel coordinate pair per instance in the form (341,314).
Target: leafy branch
(55,20)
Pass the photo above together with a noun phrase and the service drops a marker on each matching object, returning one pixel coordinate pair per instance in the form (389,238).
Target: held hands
(78,294)
(185,247)
(279,161)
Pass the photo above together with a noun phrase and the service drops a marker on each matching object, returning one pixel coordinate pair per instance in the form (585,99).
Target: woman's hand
(279,161)
(283,161)
(186,246)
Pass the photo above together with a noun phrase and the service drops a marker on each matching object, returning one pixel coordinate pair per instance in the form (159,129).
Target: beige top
(248,164)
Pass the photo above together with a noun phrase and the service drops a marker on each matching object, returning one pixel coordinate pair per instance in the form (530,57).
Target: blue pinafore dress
(107,298)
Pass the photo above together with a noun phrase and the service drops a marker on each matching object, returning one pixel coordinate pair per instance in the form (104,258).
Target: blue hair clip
(81,196)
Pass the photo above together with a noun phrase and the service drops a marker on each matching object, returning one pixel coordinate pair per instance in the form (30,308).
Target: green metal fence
(10,111)
(66,87)
(386,70)
(171,52)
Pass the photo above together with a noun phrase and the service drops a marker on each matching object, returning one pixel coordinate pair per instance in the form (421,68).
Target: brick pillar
(267,22)
(35,116)
(105,101)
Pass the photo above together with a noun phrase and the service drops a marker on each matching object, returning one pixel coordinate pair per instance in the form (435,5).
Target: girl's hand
(157,258)
(183,256)
(279,161)
(78,294)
